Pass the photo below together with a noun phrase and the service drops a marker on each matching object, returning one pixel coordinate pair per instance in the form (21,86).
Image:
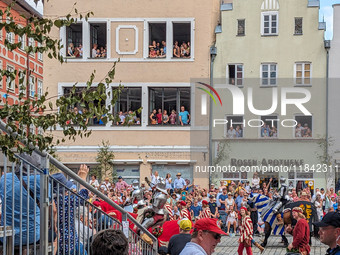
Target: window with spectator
(98,40)
(128,102)
(74,35)
(95,120)
(304,127)
(170,100)
(269,128)
(235,74)
(181,36)
(157,40)
(235,127)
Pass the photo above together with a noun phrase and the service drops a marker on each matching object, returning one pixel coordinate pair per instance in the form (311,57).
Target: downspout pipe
(327,44)
(213,53)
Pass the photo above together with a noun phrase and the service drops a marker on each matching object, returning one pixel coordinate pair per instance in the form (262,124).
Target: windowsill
(179,58)
(268,86)
(297,34)
(70,57)
(93,58)
(269,137)
(269,35)
(132,125)
(239,86)
(302,85)
(157,57)
(88,60)
(170,125)
(241,35)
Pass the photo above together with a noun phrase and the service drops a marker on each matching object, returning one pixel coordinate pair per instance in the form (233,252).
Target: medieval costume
(206,210)
(301,233)
(184,211)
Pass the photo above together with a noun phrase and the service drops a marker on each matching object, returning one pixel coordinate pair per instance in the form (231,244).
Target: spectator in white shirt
(255,181)
(231,132)
(179,183)
(154,177)
(94,181)
(106,185)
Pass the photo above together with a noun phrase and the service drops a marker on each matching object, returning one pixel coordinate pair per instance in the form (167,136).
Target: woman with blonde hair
(300,233)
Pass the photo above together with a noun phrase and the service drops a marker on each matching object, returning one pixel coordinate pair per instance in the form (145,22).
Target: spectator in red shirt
(159,116)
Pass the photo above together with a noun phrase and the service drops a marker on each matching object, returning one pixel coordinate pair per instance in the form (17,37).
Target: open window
(304,127)
(74,35)
(235,127)
(235,74)
(129,101)
(157,40)
(9,82)
(182,40)
(98,33)
(94,120)
(269,128)
(169,104)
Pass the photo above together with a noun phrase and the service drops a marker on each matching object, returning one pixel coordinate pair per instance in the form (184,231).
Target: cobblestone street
(229,245)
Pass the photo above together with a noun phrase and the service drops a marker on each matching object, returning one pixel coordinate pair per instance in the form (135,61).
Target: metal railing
(41,215)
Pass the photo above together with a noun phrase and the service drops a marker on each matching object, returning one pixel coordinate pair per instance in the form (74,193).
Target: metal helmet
(135,184)
(161,186)
(282,180)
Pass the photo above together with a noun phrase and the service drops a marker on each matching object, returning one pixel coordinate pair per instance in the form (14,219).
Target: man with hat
(205,237)
(179,183)
(121,185)
(303,197)
(329,231)
(106,185)
(179,241)
(184,212)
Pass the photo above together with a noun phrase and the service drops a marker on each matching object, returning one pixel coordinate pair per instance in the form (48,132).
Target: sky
(326,12)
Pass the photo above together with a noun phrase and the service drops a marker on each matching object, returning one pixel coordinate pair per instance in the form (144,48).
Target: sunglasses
(215,235)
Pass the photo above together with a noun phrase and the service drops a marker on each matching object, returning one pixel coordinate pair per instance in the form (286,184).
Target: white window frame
(296,179)
(10,85)
(227,74)
(312,129)
(270,13)
(269,78)
(145,105)
(40,88)
(303,63)
(40,55)
(22,39)
(10,36)
(40,131)
(277,123)
(226,126)
(24,82)
(32,86)
(32,129)
(169,38)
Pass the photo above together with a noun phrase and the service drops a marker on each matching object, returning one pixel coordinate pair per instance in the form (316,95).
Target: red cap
(183,203)
(244,209)
(210,224)
(205,202)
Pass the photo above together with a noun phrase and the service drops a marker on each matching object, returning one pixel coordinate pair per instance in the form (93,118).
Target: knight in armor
(155,214)
(281,199)
(137,199)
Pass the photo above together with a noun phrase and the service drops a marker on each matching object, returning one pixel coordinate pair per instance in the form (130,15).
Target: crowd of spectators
(75,52)
(304,131)
(267,131)
(159,50)
(159,118)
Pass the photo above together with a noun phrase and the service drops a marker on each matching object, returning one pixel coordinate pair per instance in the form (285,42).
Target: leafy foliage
(43,111)
(105,159)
